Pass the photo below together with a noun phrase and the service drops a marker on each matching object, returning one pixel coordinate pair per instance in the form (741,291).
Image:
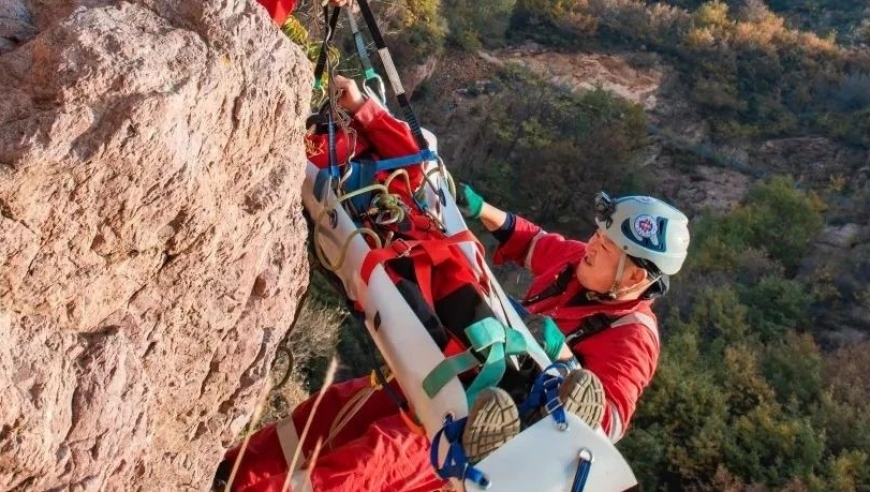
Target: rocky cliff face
(151,243)
(581,72)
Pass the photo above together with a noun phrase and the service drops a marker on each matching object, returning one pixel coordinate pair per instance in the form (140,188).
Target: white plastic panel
(544,459)
(411,353)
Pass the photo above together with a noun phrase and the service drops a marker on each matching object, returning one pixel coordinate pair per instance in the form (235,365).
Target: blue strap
(545,393)
(363,174)
(420,199)
(582,473)
(521,310)
(333,151)
(405,161)
(456,463)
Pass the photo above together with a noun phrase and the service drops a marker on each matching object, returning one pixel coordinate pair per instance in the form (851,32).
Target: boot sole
(582,394)
(496,420)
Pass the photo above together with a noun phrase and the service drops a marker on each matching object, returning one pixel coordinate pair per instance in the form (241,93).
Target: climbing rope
(386,209)
(354,405)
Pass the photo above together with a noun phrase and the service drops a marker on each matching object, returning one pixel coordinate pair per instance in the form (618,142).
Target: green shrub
(749,71)
(475,24)
(793,367)
(775,217)
(776,306)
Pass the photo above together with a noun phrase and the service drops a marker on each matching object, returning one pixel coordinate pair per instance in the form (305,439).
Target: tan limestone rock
(151,243)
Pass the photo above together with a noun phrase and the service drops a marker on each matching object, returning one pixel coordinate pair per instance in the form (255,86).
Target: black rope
(557,287)
(393,74)
(331,22)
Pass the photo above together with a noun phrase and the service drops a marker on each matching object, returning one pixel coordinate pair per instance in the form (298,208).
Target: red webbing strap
(396,249)
(435,252)
(424,262)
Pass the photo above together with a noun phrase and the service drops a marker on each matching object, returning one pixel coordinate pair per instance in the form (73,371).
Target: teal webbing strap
(447,369)
(489,337)
(361,50)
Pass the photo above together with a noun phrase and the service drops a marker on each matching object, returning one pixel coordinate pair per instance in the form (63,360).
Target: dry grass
(314,336)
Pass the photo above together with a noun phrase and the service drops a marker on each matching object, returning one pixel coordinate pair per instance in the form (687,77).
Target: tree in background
(555,22)
(547,153)
(474,24)
(775,217)
(744,396)
(416,29)
(750,73)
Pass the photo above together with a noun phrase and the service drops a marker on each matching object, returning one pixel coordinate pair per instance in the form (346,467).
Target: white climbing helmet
(645,228)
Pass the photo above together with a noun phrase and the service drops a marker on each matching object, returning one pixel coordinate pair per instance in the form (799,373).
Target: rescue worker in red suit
(617,274)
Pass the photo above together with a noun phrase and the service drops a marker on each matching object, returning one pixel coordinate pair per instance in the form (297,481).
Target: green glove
(468,201)
(545,331)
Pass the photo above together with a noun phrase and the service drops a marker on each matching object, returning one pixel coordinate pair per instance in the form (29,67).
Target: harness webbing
(589,325)
(368,70)
(404,161)
(363,173)
(487,337)
(433,251)
(456,463)
(555,288)
(361,50)
(582,473)
(392,74)
(545,393)
(331,22)
(333,153)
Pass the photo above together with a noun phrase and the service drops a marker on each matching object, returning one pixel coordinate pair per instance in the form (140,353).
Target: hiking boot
(582,394)
(492,421)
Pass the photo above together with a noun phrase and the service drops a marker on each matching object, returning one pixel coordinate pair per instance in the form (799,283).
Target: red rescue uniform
(624,357)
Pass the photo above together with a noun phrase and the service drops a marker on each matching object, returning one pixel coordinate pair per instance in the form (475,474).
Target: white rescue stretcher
(542,458)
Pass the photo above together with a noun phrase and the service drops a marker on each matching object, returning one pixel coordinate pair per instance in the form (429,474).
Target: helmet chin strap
(615,293)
